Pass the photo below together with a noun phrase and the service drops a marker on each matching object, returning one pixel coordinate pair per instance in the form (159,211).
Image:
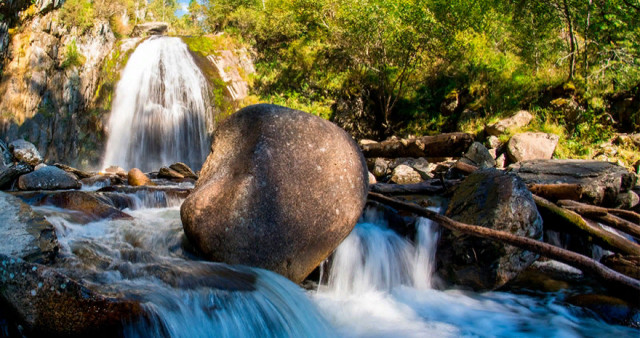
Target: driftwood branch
(553,213)
(605,215)
(560,191)
(429,187)
(608,276)
(442,145)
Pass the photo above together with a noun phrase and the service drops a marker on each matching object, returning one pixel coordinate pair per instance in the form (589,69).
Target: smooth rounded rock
(48,178)
(137,178)
(26,152)
(280,190)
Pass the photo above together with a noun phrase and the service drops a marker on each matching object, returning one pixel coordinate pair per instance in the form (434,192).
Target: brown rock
(184,170)
(169,173)
(280,190)
(138,178)
(86,203)
(531,146)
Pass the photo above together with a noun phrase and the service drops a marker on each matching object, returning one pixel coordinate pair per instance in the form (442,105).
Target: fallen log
(602,215)
(608,276)
(465,167)
(554,192)
(552,213)
(442,145)
(429,187)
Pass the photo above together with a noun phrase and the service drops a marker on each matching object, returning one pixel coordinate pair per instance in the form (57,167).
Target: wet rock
(494,199)
(184,170)
(280,190)
(48,178)
(531,146)
(26,152)
(150,28)
(479,156)
(26,234)
(169,173)
(79,173)
(86,203)
(520,119)
(48,303)
(102,180)
(600,182)
(404,174)
(613,310)
(9,174)
(114,169)
(138,178)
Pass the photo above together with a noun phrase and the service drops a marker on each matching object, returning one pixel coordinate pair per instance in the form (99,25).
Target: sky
(184,4)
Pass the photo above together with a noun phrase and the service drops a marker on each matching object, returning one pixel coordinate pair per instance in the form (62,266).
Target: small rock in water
(169,173)
(48,178)
(26,152)
(138,178)
(184,170)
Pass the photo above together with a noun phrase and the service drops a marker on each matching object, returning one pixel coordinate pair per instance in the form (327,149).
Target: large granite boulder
(25,234)
(48,303)
(531,146)
(494,199)
(26,152)
(48,178)
(599,182)
(280,190)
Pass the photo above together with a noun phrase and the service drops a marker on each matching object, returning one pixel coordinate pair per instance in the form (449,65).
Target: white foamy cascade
(160,112)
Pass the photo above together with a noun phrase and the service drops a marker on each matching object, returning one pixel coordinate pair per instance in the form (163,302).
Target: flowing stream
(377,284)
(161,111)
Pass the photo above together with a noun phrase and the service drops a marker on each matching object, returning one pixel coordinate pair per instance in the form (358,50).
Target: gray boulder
(48,178)
(26,152)
(478,155)
(27,235)
(520,119)
(10,173)
(494,199)
(600,182)
(280,190)
(531,146)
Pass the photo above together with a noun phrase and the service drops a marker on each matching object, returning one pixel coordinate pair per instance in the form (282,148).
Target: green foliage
(73,58)
(77,13)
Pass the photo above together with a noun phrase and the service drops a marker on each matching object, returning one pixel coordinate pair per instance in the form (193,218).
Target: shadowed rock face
(280,190)
(496,200)
(48,178)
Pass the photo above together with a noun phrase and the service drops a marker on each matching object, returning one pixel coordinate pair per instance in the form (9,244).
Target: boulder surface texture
(496,200)
(280,190)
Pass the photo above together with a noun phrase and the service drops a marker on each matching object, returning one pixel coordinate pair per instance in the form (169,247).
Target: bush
(77,13)
(73,58)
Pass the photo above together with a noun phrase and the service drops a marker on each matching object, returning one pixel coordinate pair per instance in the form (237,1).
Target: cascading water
(161,112)
(378,285)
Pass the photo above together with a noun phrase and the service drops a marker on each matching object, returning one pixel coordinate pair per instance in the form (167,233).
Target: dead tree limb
(553,213)
(606,216)
(609,277)
(429,187)
(442,145)
(560,191)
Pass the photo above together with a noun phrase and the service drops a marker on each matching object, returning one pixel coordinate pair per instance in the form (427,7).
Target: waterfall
(161,112)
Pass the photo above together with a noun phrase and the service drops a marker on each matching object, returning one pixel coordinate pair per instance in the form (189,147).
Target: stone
(102,180)
(184,170)
(9,174)
(519,120)
(600,182)
(531,146)
(149,28)
(627,200)
(280,190)
(423,167)
(501,161)
(169,173)
(494,199)
(48,178)
(493,142)
(48,303)
(137,178)
(79,173)
(31,237)
(378,166)
(114,169)
(611,309)
(26,152)
(372,179)
(478,155)
(39,166)
(404,174)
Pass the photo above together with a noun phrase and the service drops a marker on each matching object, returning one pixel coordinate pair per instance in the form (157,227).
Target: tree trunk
(609,277)
(572,39)
(442,145)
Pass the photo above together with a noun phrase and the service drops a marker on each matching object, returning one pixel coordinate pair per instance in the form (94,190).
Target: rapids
(377,284)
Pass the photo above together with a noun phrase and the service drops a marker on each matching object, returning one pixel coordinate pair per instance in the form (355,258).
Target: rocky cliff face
(50,77)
